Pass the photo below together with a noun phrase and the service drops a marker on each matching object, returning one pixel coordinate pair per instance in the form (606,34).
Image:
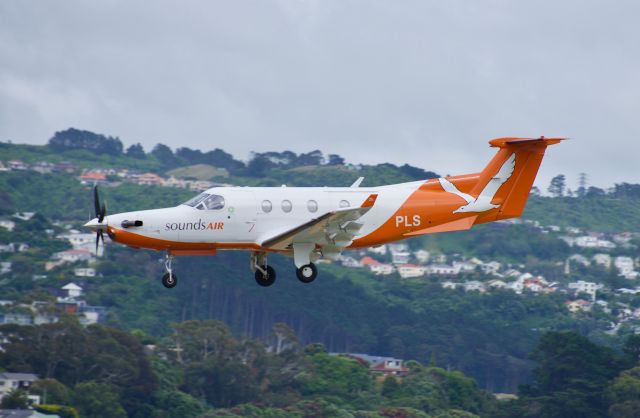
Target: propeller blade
(96,201)
(97,240)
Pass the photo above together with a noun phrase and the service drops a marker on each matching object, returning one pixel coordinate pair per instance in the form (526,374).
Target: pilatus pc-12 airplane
(308,223)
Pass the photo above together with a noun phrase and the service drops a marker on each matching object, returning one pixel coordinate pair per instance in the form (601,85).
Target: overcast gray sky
(408,81)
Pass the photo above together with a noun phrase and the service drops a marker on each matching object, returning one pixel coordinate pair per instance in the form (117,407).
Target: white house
(448,284)
(441,269)
(422,256)
(7,224)
(13,381)
(382,269)
(400,257)
(72,290)
(350,262)
(380,249)
(71,256)
(579,259)
(625,267)
(492,267)
(589,288)
(474,286)
(5,267)
(79,240)
(497,284)
(407,271)
(85,272)
(602,259)
(465,266)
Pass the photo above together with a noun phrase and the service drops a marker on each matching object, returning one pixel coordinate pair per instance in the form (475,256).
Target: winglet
(369,201)
(357,182)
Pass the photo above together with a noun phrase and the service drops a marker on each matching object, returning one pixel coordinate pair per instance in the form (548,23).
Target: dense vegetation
(500,340)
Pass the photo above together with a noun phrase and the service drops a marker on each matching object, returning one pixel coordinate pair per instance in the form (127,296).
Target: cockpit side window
(194,201)
(214,202)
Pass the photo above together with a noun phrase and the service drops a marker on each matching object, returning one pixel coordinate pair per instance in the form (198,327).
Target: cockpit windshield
(206,201)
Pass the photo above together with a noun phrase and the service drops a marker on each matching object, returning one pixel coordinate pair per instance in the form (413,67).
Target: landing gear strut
(265,275)
(307,273)
(169,280)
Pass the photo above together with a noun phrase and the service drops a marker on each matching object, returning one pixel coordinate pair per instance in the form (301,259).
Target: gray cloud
(421,82)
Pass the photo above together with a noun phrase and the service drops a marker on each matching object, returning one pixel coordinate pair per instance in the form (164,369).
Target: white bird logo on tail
(483,201)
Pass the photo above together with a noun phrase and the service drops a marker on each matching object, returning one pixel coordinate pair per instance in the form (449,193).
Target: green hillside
(464,345)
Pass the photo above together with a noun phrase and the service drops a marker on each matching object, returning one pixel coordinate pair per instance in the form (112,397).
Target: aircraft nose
(94,224)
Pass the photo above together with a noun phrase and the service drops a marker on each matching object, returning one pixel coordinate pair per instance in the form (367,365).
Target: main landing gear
(307,273)
(265,275)
(169,280)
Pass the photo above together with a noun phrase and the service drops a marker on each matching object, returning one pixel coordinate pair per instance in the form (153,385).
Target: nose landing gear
(265,275)
(169,280)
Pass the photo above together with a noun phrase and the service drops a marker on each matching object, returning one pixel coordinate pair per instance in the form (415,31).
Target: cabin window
(214,202)
(344,204)
(286,206)
(312,205)
(266,206)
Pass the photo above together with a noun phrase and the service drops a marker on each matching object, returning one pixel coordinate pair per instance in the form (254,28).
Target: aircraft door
(241,211)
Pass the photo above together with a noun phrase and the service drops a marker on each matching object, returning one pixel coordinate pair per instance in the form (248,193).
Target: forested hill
(499,338)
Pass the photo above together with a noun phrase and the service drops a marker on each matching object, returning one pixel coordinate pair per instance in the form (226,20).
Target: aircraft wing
(333,231)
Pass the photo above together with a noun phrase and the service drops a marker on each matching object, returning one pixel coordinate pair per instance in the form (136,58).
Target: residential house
(14,381)
(66,166)
(589,288)
(350,262)
(625,267)
(602,259)
(590,241)
(578,305)
(464,266)
(84,272)
(24,216)
(422,256)
(93,177)
(72,256)
(579,259)
(8,248)
(407,271)
(448,284)
(400,257)
(441,270)
(497,284)
(72,290)
(7,223)
(5,267)
(376,267)
(380,250)
(384,366)
(474,286)
(149,179)
(78,240)
(492,267)
(43,167)
(17,165)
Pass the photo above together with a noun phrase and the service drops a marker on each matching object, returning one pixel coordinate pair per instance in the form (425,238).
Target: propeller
(100,212)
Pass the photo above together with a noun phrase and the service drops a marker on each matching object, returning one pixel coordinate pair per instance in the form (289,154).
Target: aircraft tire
(169,280)
(266,280)
(307,273)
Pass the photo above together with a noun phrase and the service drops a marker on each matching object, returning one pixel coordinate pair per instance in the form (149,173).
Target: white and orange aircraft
(308,223)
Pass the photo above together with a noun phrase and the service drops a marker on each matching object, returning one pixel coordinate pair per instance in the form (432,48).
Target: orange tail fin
(512,195)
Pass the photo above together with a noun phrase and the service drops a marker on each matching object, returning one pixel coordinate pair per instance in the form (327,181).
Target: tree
(51,391)
(15,399)
(582,185)
(136,151)
(335,159)
(624,394)
(97,400)
(164,154)
(557,186)
(75,139)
